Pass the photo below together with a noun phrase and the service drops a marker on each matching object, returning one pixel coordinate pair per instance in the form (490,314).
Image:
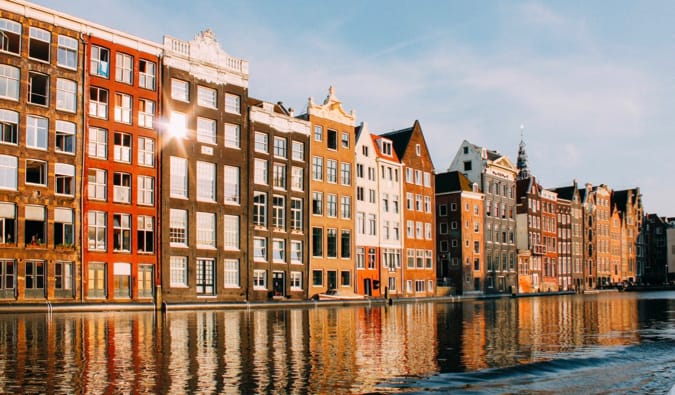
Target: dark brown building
(204,162)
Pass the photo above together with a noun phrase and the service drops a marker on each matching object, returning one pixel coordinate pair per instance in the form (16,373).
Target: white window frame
(145,186)
(179,271)
(98,143)
(231,184)
(207,97)
(124,68)
(232,103)
(123,104)
(231,232)
(206,181)
(206,130)
(180,90)
(206,230)
(178,177)
(231,273)
(232,135)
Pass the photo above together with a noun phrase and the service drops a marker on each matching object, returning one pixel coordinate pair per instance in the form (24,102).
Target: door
(367,287)
(278,286)
(332,280)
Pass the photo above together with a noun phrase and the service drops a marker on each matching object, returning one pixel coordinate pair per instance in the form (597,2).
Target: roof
(453,181)
(400,139)
(565,192)
(378,151)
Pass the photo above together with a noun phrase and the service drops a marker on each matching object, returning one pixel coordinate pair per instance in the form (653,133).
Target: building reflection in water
(318,350)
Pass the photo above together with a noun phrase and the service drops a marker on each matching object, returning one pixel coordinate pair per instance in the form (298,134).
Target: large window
(346,173)
(180,90)
(260,209)
(96,232)
(261,142)
(7,223)
(279,176)
(331,205)
(10,36)
(345,243)
(179,271)
(280,147)
(9,82)
(98,143)
(146,151)
(146,113)
(331,243)
(145,281)
(67,52)
(9,127)
(146,190)
(232,104)
(298,150)
(65,137)
(36,132)
(279,250)
(317,168)
(66,95)
(331,171)
(296,215)
(278,212)
(231,233)
(297,179)
(122,187)
(260,171)
(124,68)
(97,184)
(100,61)
(296,281)
(145,234)
(206,276)
(296,251)
(179,177)
(122,232)
(122,148)
(35,225)
(146,74)
(231,270)
(96,280)
(259,248)
(122,280)
(206,181)
(206,130)
(122,108)
(178,228)
(35,278)
(317,203)
(317,242)
(63,278)
(232,136)
(39,44)
(98,102)
(36,172)
(206,230)
(346,207)
(64,176)
(207,97)
(231,182)
(7,276)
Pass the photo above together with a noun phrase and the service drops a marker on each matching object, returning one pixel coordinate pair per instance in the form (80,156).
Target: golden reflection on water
(315,350)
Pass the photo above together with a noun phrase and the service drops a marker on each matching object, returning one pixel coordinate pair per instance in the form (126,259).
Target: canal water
(598,344)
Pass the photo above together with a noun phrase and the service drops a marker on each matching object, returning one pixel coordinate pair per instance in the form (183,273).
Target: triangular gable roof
(331,109)
(393,157)
(505,162)
(452,181)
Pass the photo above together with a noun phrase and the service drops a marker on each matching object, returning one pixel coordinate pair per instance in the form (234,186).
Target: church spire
(523,169)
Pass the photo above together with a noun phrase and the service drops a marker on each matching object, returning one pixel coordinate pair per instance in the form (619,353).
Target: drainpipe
(158,191)
(83,156)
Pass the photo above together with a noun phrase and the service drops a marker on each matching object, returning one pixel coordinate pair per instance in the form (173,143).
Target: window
(372,224)
(298,150)
(261,142)
(97,184)
(260,171)
(360,194)
(331,205)
(331,171)
(9,82)
(260,209)
(394,201)
(231,270)
(98,102)
(346,207)
(443,228)
(296,281)
(177,124)
(36,132)
(64,176)
(409,176)
(206,181)
(231,181)
(317,168)
(36,172)
(317,278)
(178,178)
(418,230)
(278,212)
(345,278)
(279,250)
(332,139)
(10,36)
(386,148)
(7,224)
(318,133)
(427,180)
(205,283)
(122,108)
(146,74)
(346,173)
(38,89)
(410,232)
(427,204)
(345,140)
(279,176)
(35,224)
(418,202)
(100,60)
(63,277)
(207,97)
(98,143)
(9,126)
(409,200)
(96,281)
(259,249)
(317,203)
(122,187)
(145,234)
(146,151)
(418,177)
(65,137)
(331,243)
(232,104)
(231,233)
(442,210)
(39,44)
(145,281)
(178,228)
(122,232)
(317,242)
(232,136)
(63,226)
(360,257)
(122,148)
(345,243)
(179,271)
(280,147)
(260,279)
(146,190)
(206,230)
(124,68)
(206,130)
(146,113)
(296,251)
(180,90)
(96,232)
(297,179)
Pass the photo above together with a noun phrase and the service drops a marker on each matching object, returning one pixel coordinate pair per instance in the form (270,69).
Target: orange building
(419,270)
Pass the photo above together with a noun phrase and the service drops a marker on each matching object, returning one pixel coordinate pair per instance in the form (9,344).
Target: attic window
(418,149)
(466,150)
(345,140)
(386,148)
(365,150)
(467,165)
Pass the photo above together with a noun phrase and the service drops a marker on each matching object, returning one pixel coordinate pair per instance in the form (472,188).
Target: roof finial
(522,130)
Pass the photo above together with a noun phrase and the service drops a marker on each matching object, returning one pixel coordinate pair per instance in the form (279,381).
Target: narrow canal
(599,344)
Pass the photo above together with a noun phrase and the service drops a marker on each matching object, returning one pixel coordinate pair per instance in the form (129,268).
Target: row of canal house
(500,231)
(139,172)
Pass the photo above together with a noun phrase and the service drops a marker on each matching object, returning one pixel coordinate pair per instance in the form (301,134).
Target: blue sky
(592,82)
